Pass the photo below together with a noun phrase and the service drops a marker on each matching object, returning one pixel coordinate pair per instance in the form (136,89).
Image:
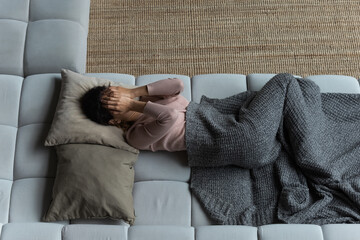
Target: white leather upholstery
(341,231)
(39,98)
(162,203)
(14,9)
(32,159)
(95,232)
(162,166)
(226,232)
(11,88)
(30,198)
(256,81)
(7,149)
(161,232)
(292,231)
(38,38)
(13,45)
(217,85)
(31,231)
(43,36)
(336,83)
(5,193)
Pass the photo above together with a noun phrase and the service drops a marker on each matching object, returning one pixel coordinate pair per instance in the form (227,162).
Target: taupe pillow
(70,125)
(92,181)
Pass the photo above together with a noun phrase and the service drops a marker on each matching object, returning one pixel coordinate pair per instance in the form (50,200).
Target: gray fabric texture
(287,153)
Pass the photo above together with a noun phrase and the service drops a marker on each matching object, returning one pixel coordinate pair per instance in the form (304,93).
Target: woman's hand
(126,92)
(117,104)
(118,91)
(120,106)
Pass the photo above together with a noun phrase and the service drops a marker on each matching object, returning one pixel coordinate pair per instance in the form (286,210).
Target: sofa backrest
(43,36)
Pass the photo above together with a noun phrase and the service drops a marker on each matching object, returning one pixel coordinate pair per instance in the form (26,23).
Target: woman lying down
(285,115)
(155,122)
(292,152)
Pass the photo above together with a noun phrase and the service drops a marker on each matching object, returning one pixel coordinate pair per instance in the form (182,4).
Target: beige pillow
(70,125)
(92,181)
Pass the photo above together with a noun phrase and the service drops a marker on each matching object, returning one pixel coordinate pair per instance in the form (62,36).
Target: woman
(296,151)
(154,122)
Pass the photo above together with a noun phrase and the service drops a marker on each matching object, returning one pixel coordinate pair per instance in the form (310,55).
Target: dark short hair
(92,107)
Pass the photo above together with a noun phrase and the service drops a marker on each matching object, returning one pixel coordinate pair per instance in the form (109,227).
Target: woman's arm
(159,89)
(166,87)
(141,136)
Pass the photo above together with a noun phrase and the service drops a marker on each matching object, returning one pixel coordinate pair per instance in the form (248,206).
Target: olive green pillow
(70,125)
(92,181)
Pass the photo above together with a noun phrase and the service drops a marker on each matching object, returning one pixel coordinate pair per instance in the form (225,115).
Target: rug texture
(190,37)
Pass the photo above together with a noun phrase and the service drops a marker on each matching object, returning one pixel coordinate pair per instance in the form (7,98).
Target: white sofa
(38,38)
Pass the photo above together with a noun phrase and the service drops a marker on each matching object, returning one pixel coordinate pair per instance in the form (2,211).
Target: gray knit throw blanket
(285,154)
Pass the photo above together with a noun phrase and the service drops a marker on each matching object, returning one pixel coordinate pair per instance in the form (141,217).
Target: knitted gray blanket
(285,154)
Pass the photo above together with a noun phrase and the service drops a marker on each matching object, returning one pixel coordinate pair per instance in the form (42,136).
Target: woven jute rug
(190,37)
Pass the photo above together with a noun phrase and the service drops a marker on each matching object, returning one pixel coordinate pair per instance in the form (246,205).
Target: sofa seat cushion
(39,97)
(32,159)
(162,203)
(30,197)
(5,191)
(7,151)
(162,166)
(12,38)
(10,92)
(341,231)
(94,232)
(31,231)
(161,232)
(226,232)
(290,231)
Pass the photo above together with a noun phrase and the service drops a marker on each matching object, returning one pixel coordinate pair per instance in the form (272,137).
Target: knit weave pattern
(285,154)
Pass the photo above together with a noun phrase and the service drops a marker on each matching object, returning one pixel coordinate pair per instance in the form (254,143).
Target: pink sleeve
(163,89)
(143,135)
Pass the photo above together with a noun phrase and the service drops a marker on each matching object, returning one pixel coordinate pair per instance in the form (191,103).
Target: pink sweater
(162,124)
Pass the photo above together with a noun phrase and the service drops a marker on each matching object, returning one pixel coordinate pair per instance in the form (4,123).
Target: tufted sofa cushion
(43,36)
